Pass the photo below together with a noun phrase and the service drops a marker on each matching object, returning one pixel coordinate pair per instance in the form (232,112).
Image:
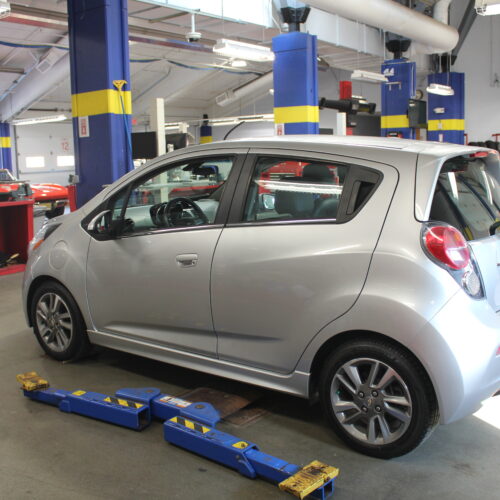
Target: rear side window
(300,189)
(467,195)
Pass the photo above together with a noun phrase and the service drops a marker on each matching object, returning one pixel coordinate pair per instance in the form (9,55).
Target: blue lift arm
(190,426)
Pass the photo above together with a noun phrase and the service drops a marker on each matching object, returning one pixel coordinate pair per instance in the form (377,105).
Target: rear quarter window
(467,195)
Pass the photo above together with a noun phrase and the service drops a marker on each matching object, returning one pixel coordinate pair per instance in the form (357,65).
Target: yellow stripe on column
(446,124)
(100,102)
(296,114)
(205,139)
(5,142)
(394,121)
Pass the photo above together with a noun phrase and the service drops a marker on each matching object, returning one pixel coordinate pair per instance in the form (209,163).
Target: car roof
(388,144)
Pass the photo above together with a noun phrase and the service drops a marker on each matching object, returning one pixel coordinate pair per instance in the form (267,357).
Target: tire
(376,411)
(58,323)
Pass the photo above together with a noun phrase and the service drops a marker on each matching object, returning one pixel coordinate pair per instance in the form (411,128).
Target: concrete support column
(5,147)
(100,87)
(296,83)
(396,93)
(445,113)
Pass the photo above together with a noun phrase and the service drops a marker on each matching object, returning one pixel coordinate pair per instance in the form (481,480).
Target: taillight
(448,246)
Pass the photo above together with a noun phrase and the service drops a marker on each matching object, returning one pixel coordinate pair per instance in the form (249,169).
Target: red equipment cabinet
(16,231)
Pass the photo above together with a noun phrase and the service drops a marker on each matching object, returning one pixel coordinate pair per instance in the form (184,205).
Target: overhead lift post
(188,425)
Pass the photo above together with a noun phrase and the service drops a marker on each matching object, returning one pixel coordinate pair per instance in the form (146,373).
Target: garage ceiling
(159,53)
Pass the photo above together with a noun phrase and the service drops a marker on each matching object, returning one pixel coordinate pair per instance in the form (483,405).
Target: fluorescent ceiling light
(299,187)
(39,120)
(368,76)
(4,9)
(228,120)
(238,63)
(487,7)
(240,50)
(439,89)
(233,120)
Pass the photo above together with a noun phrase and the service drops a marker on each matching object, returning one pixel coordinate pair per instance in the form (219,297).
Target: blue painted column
(396,93)
(205,134)
(445,113)
(5,147)
(101,102)
(296,83)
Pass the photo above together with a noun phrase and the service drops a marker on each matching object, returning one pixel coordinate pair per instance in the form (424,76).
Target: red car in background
(12,189)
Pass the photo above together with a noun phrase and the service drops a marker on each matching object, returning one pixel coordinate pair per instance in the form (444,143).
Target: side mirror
(100,224)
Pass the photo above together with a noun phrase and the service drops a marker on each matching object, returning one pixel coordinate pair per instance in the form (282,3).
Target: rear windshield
(467,194)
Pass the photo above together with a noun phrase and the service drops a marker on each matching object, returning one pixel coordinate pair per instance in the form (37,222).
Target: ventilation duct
(435,36)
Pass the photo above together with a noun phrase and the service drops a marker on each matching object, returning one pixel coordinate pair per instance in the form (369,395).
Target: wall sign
(279,128)
(83,126)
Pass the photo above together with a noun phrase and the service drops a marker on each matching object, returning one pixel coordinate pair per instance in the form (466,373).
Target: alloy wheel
(54,322)
(371,401)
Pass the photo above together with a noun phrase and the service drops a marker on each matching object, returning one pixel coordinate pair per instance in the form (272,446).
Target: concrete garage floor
(48,454)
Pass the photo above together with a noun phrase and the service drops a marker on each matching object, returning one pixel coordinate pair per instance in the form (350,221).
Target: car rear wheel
(58,323)
(377,398)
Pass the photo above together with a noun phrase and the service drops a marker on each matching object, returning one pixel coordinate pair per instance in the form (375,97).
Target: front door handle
(187,260)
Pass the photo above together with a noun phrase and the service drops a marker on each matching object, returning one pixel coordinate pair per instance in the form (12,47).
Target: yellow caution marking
(296,114)
(31,381)
(78,393)
(194,426)
(308,479)
(394,121)
(240,445)
(5,142)
(446,124)
(123,402)
(205,139)
(101,102)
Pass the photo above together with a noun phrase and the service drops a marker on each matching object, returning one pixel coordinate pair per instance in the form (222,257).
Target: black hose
(234,128)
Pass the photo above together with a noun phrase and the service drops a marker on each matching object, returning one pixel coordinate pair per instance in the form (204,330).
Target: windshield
(467,194)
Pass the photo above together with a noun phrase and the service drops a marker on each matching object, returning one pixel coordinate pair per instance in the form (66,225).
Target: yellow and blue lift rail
(190,426)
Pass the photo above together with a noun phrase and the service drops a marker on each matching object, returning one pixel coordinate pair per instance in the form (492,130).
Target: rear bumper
(459,348)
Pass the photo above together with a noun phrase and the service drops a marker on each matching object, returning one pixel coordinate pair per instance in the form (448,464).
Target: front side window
(294,189)
(177,196)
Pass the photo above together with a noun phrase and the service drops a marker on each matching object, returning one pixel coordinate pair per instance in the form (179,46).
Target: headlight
(42,234)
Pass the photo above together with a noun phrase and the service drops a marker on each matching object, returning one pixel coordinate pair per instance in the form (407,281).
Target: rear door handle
(187,260)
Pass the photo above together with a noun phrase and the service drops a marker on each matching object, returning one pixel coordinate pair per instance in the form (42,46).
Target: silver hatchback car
(364,270)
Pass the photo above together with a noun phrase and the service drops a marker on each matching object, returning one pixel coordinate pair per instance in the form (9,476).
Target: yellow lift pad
(308,479)
(31,381)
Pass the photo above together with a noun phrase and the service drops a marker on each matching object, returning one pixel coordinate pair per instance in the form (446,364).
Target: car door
(150,283)
(295,252)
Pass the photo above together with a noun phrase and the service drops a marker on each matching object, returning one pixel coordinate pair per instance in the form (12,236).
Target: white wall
(50,141)
(479,59)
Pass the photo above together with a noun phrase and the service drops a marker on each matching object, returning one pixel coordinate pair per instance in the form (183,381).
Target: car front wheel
(58,323)
(378,398)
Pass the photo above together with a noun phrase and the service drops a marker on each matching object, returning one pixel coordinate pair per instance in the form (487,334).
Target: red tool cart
(16,231)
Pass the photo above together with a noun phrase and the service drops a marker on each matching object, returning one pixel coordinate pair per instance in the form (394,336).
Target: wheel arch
(35,284)
(348,336)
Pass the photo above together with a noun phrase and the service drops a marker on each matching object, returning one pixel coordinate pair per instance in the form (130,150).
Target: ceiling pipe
(441,11)
(33,88)
(261,84)
(434,35)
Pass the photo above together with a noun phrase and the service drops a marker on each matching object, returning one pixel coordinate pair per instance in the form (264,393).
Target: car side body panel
(275,286)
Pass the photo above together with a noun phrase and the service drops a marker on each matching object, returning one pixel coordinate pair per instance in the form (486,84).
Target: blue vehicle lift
(188,425)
